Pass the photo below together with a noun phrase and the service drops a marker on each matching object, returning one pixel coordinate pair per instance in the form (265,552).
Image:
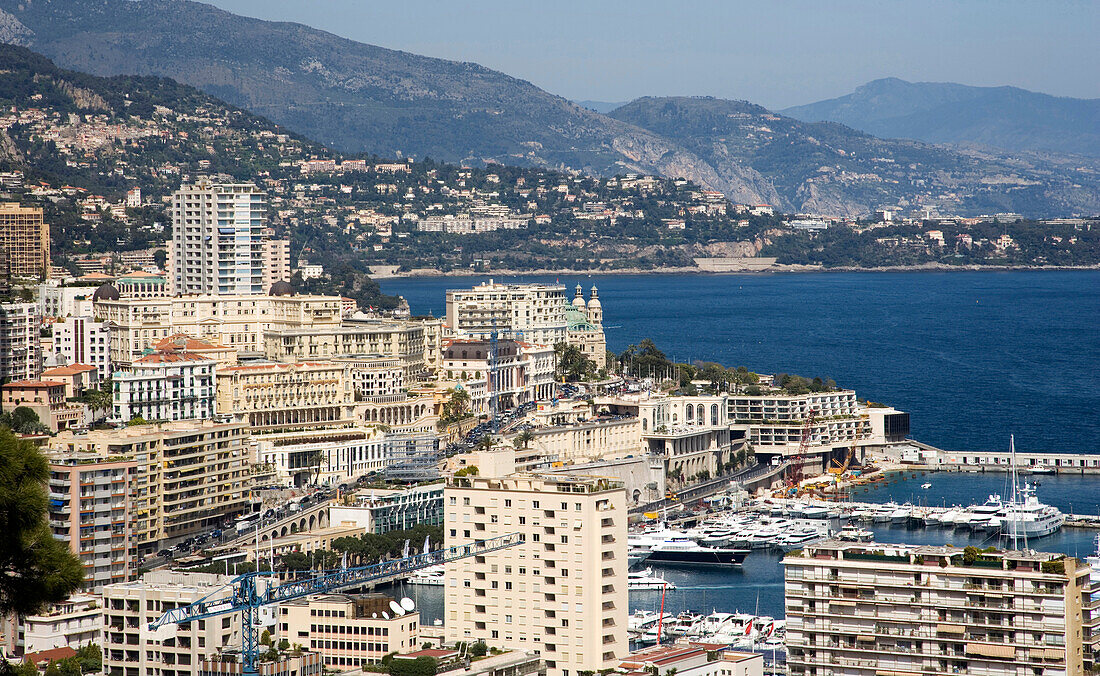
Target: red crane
(794,476)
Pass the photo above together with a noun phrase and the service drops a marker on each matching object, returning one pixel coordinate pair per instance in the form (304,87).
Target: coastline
(424,273)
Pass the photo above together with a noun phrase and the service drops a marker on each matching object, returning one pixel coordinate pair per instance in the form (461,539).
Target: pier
(918,455)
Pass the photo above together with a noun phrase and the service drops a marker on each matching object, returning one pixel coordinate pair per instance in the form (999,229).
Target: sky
(777,54)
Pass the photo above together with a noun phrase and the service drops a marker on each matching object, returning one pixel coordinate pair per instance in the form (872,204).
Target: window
(507,619)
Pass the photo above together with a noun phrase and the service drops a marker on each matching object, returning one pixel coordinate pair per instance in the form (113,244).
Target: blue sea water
(972,356)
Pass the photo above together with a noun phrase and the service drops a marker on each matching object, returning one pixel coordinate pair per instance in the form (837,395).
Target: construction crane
(837,467)
(794,478)
(253,591)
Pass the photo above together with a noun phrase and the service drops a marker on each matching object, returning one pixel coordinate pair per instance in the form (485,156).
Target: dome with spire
(578,299)
(106,292)
(281,288)
(595,302)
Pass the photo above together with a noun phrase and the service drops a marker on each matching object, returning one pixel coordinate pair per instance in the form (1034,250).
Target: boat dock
(920,456)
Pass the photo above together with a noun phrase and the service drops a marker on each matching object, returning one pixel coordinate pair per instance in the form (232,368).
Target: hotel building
(561,593)
(865,609)
(530,312)
(273,396)
(218,239)
(169,385)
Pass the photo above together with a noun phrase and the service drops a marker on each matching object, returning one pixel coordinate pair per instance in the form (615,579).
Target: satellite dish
(407,604)
(398,611)
(385,615)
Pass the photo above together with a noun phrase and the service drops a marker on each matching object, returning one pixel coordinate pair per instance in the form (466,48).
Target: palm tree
(525,437)
(486,443)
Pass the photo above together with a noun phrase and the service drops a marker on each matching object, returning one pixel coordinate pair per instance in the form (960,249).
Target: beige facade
(218,238)
(276,261)
(190,477)
(531,312)
(272,396)
(866,609)
(237,322)
(585,326)
(400,339)
(131,649)
(349,631)
(563,591)
(24,241)
(588,440)
(74,623)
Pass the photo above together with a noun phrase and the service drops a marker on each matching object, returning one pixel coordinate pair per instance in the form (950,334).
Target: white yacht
(853,533)
(982,516)
(432,576)
(900,516)
(1029,518)
(646,579)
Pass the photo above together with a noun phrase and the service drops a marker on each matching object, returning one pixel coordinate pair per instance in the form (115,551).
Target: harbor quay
(919,455)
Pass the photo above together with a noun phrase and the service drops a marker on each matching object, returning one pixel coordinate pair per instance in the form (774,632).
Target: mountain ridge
(1003,117)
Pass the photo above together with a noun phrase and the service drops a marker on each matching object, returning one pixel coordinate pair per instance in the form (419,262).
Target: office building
(20,341)
(131,649)
(865,609)
(349,631)
(91,510)
(562,592)
(169,385)
(218,239)
(190,476)
(24,241)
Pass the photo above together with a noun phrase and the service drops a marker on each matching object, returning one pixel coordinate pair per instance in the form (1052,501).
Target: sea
(972,356)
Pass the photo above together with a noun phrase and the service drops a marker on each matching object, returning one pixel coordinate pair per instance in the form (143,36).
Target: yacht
(683,551)
(432,576)
(640,621)
(853,533)
(815,512)
(1029,518)
(645,579)
(900,516)
(982,516)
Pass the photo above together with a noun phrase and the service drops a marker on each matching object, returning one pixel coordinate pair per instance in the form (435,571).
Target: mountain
(604,107)
(348,95)
(355,97)
(825,167)
(1008,118)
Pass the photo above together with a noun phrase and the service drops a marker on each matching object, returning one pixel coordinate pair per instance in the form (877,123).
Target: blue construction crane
(249,595)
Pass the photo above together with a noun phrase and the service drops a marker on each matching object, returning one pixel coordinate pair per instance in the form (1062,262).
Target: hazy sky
(776,53)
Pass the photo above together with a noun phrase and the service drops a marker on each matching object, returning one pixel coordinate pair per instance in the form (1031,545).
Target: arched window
(687,413)
(702,415)
(714,414)
(645,424)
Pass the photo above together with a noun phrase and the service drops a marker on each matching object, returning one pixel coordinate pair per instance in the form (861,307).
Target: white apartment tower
(534,313)
(218,238)
(562,593)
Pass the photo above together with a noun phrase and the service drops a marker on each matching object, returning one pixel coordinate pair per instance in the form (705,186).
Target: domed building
(106,292)
(281,288)
(584,326)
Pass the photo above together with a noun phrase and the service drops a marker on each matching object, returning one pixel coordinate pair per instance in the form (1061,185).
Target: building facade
(24,241)
(20,341)
(398,339)
(864,609)
(190,476)
(563,591)
(530,312)
(131,649)
(218,238)
(349,631)
(91,509)
(170,385)
(585,326)
(82,340)
(272,396)
(276,261)
(388,509)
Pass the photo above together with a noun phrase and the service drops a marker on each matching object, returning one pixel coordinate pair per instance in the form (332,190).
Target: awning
(843,604)
(1055,654)
(991,650)
(865,638)
(950,629)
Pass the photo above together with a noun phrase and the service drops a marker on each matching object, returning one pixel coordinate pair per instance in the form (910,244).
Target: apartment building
(81,340)
(405,340)
(860,609)
(91,509)
(169,385)
(74,623)
(218,238)
(24,241)
(562,593)
(273,396)
(77,378)
(55,300)
(20,343)
(276,260)
(237,322)
(349,631)
(530,312)
(190,476)
(47,399)
(322,456)
(520,373)
(130,649)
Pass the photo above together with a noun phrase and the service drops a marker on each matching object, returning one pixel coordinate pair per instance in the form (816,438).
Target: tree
(35,567)
(525,438)
(421,666)
(479,649)
(456,407)
(265,638)
(573,364)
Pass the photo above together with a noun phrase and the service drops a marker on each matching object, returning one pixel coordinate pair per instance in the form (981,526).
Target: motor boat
(853,533)
(432,576)
(683,551)
(815,512)
(1029,518)
(901,515)
(645,580)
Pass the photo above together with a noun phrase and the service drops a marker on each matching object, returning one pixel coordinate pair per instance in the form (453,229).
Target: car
(164,554)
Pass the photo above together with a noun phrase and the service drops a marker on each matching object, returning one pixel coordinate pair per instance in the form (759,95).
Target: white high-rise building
(218,238)
(534,313)
(82,340)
